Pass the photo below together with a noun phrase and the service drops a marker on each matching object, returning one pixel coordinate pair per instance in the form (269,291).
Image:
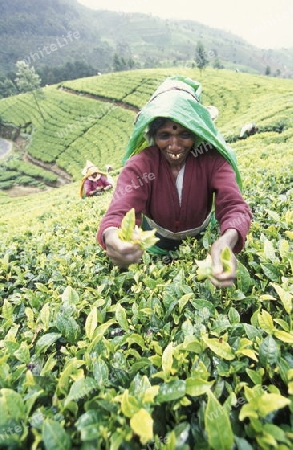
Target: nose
(174,143)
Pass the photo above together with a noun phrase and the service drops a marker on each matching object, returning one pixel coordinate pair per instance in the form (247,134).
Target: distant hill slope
(64,31)
(92,118)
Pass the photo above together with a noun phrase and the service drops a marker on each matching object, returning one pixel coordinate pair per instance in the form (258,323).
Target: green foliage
(27,80)
(97,357)
(201,59)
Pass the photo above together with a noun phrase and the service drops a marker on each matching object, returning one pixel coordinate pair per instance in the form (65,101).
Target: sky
(263,23)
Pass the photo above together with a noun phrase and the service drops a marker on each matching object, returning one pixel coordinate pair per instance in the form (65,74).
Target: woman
(94,181)
(178,166)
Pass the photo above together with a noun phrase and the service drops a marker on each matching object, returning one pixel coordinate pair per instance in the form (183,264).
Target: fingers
(121,253)
(221,278)
(123,257)
(223,282)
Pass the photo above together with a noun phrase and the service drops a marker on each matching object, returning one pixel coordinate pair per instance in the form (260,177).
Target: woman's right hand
(121,253)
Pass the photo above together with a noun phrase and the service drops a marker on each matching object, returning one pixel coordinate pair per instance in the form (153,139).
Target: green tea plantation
(93,357)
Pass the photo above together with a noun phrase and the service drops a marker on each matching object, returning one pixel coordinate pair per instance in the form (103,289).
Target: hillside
(91,118)
(63,31)
(149,357)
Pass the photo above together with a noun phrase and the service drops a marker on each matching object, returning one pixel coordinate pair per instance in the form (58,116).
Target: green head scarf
(179,99)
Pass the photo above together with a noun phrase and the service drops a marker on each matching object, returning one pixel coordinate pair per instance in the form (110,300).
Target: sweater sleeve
(105,182)
(132,191)
(231,209)
(88,187)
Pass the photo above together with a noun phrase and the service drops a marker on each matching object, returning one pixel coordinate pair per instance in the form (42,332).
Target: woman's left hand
(219,277)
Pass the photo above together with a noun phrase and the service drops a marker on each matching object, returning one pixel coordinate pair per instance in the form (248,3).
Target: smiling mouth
(175,156)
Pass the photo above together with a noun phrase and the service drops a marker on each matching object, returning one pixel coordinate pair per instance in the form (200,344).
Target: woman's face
(175,142)
(96,176)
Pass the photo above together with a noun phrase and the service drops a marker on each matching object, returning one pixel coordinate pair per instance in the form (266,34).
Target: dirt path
(102,99)
(5,147)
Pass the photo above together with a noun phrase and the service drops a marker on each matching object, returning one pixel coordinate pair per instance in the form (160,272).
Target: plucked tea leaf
(127,226)
(226,260)
(130,232)
(244,280)
(204,268)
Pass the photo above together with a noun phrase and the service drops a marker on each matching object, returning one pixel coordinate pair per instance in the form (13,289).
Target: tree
(200,56)
(27,80)
(278,73)
(7,88)
(268,70)
(217,63)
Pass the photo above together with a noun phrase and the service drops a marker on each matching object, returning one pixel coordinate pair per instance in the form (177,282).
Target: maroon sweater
(91,185)
(146,184)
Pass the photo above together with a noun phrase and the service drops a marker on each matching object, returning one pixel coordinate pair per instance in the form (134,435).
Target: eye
(163,136)
(186,135)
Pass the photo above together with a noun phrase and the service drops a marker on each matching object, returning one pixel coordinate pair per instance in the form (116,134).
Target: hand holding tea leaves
(221,275)
(130,232)
(125,246)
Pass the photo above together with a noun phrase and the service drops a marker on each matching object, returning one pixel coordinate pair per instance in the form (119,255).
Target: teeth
(177,156)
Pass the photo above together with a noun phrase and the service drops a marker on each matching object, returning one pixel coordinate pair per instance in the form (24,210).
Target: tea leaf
(204,268)
(130,232)
(283,336)
(125,233)
(171,391)
(142,424)
(221,349)
(54,435)
(266,322)
(46,341)
(197,386)
(121,318)
(285,297)
(218,425)
(129,404)
(226,260)
(91,323)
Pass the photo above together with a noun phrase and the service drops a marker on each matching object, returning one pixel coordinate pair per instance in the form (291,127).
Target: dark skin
(174,142)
